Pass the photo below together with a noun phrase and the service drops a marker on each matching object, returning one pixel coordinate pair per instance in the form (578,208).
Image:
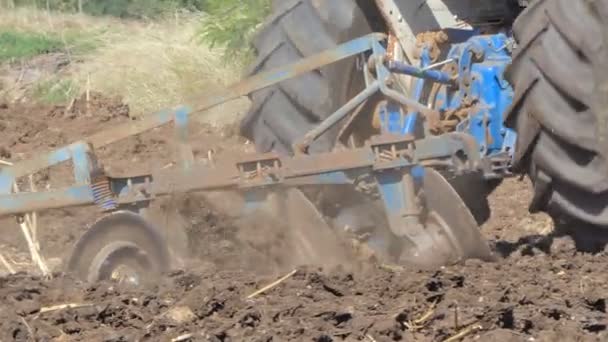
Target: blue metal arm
(407,69)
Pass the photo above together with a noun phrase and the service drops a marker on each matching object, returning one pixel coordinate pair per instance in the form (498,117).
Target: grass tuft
(55,91)
(16,45)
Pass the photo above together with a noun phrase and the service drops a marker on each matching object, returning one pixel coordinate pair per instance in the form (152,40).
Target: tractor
(525,79)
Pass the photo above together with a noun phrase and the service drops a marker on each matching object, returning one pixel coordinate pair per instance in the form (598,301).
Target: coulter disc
(452,232)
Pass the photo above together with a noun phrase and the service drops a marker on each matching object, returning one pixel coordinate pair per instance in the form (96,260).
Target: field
(544,288)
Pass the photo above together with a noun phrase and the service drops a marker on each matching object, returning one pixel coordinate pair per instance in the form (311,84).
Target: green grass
(15,45)
(19,45)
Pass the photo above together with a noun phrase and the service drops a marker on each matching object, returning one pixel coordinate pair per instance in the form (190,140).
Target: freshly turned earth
(544,289)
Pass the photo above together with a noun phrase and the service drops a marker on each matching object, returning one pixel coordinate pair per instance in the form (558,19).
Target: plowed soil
(547,286)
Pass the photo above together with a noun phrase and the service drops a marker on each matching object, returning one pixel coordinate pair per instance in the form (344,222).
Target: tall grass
(151,65)
(160,65)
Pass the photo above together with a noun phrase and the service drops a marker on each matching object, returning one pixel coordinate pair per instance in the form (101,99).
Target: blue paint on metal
(254,200)
(391,115)
(411,119)
(508,144)
(418,173)
(22,202)
(333,178)
(482,61)
(181,128)
(181,117)
(431,75)
(6,181)
(395,196)
(425,61)
(60,155)
(81,163)
(391,189)
(391,118)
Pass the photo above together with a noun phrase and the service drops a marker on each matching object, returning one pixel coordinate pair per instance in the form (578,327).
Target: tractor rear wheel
(299,28)
(560,109)
(283,113)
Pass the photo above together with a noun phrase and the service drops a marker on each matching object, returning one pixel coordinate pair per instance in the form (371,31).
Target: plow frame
(396,159)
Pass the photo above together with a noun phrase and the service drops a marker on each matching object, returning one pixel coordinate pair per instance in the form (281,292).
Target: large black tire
(298,28)
(560,109)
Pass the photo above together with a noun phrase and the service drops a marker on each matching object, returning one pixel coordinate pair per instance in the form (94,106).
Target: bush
(232,24)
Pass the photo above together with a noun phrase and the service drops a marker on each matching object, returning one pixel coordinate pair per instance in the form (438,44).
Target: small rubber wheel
(121,247)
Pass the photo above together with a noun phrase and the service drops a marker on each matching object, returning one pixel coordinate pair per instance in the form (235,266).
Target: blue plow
(407,164)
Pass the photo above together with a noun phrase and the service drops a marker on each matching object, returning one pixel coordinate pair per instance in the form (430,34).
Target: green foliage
(228,23)
(232,24)
(55,91)
(17,45)
(118,8)
(136,8)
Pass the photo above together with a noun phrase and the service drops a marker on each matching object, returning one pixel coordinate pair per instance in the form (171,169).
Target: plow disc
(452,234)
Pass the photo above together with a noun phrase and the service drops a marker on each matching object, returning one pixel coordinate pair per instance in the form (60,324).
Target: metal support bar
(82,164)
(181,131)
(24,202)
(397,189)
(77,151)
(383,77)
(333,119)
(412,105)
(407,69)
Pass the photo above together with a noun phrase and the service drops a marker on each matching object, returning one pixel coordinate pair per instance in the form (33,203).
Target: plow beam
(249,173)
